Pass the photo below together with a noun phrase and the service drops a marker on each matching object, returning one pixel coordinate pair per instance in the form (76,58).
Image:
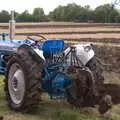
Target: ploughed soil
(62,25)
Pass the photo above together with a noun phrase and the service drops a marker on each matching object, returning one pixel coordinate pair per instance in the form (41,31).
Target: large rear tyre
(95,66)
(79,93)
(21,82)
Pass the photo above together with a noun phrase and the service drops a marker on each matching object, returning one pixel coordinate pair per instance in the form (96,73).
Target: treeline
(72,13)
(38,15)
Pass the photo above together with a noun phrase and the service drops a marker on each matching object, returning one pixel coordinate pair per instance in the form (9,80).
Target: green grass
(55,110)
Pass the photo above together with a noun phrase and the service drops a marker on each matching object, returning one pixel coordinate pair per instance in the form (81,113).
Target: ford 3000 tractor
(33,66)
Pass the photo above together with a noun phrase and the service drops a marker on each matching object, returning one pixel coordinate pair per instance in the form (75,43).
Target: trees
(71,12)
(38,15)
(24,17)
(4,16)
(77,13)
(58,14)
(105,13)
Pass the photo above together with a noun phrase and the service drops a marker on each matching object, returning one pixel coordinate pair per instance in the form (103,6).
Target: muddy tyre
(97,70)
(79,93)
(21,82)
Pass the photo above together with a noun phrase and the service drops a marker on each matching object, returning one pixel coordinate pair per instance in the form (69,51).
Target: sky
(47,5)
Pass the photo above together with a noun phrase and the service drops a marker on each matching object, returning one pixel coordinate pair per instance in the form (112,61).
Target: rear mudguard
(36,54)
(84,53)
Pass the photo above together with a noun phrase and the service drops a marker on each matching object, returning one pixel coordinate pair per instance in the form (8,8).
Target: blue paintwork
(4,36)
(7,47)
(53,81)
(52,47)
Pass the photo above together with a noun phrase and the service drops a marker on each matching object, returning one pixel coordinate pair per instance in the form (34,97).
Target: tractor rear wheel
(95,66)
(79,92)
(21,82)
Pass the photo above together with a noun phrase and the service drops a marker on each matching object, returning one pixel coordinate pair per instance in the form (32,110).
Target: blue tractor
(32,66)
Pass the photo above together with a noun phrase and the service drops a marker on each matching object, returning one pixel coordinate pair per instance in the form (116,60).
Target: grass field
(59,110)
(48,110)
(100,34)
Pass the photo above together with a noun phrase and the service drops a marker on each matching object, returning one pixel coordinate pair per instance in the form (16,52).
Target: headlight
(87,48)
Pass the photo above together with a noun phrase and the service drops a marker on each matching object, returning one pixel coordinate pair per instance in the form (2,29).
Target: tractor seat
(51,47)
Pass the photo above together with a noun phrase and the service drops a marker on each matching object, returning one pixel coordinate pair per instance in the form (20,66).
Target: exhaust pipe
(12,26)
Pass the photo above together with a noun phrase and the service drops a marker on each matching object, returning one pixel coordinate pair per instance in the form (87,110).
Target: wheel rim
(16,83)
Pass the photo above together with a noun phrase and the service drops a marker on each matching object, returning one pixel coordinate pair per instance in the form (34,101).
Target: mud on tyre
(21,81)
(97,70)
(81,87)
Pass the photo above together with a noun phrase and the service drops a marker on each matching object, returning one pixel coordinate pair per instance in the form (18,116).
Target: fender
(84,53)
(36,54)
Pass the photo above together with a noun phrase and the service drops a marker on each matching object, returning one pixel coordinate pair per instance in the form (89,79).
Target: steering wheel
(36,40)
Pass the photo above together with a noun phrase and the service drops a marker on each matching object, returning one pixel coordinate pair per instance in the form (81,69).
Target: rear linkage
(88,90)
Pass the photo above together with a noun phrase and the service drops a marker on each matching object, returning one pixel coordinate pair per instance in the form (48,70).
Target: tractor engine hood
(8,45)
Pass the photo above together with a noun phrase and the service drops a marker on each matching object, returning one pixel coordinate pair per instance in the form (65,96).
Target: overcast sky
(47,5)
